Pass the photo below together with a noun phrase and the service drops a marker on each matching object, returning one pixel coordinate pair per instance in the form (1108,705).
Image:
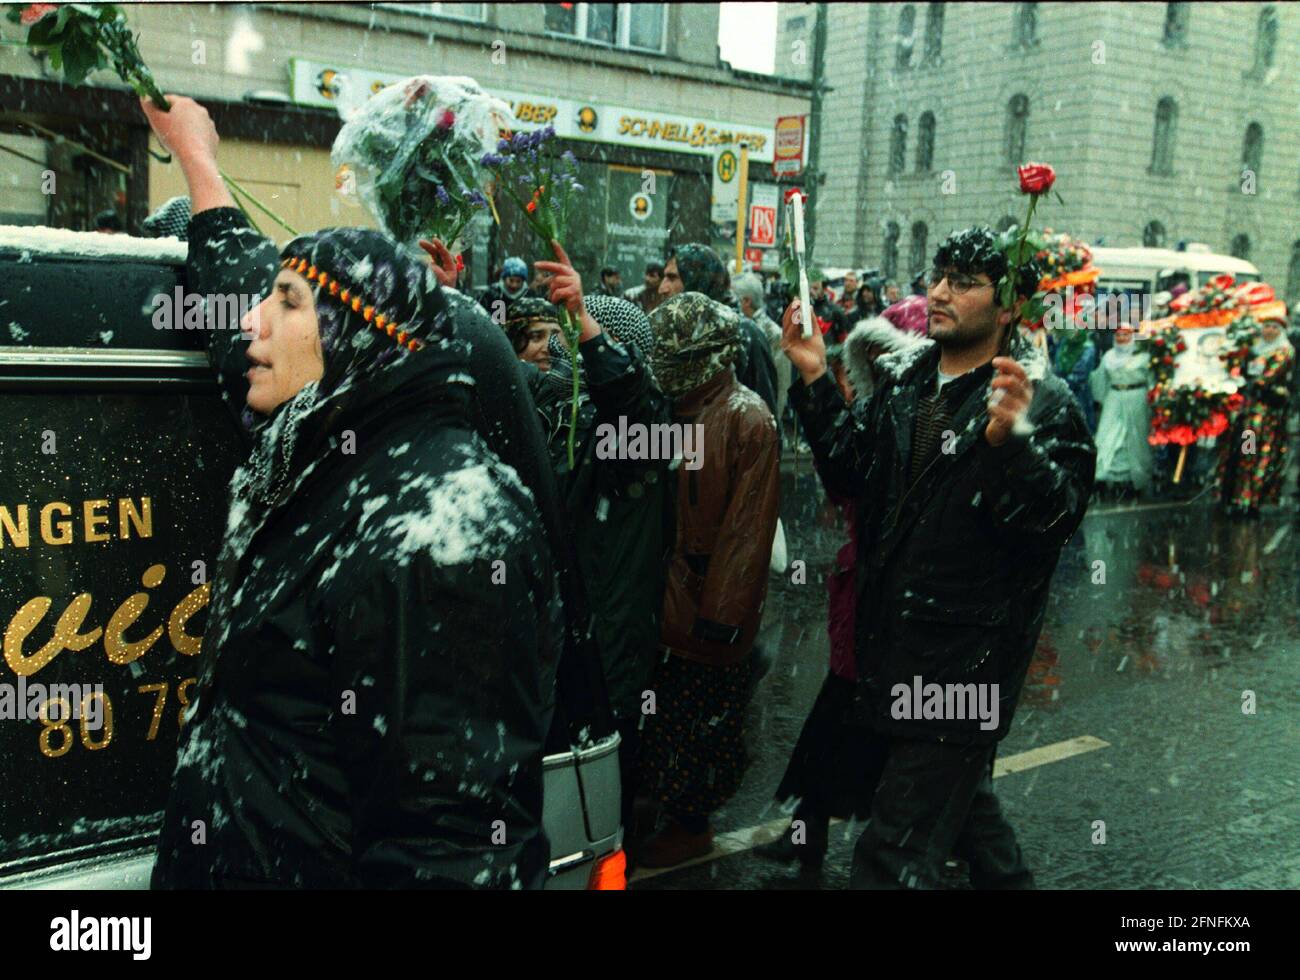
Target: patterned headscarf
(524,311)
(695,338)
(702,271)
(171,220)
(626,321)
(380,319)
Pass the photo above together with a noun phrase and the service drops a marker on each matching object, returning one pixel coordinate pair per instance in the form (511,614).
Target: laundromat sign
(317,83)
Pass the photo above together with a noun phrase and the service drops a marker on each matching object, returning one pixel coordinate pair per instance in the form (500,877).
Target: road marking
(736,841)
(1044,754)
(1276,539)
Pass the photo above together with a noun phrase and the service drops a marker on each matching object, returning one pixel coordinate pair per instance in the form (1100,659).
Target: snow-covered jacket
(952,571)
(377,677)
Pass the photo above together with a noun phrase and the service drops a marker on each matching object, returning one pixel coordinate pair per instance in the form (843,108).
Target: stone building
(1166,122)
(633,89)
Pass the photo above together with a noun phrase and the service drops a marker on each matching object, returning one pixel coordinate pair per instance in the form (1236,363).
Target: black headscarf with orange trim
(384,329)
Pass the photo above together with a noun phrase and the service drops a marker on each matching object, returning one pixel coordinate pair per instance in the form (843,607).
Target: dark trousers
(934,800)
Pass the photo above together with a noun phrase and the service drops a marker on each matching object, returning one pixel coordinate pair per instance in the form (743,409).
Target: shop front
(648,176)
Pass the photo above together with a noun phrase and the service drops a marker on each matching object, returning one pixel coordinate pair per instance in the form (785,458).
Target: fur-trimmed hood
(875,330)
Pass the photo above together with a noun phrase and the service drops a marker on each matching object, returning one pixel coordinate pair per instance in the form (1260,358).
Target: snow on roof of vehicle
(40,240)
(1167,258)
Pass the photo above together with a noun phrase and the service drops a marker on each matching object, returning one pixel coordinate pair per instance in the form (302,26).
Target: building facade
(1166,122)
(637,91)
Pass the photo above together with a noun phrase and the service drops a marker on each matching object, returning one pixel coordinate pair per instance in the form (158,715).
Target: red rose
(460,263)
(1166,360)
(1223,280)
(36,11)
(823,325)
(447,119)
(1036,178)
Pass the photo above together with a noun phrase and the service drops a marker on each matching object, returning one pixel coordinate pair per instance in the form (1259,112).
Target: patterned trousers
(692,748)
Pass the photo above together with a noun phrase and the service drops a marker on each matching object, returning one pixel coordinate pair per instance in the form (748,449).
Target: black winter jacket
(378,668)
(953,572)
(619,510)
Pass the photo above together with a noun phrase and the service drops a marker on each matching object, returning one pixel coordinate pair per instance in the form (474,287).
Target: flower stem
(1014,274)
(236,186)
(571,333)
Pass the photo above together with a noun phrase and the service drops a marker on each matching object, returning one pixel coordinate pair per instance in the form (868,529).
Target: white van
(1147,271)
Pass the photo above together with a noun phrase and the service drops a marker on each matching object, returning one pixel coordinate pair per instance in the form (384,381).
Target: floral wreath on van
(1182,414)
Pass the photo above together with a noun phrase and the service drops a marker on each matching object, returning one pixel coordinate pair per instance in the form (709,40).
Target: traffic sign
(762,225)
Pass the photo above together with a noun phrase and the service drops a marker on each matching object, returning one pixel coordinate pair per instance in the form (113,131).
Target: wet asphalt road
(1155,661)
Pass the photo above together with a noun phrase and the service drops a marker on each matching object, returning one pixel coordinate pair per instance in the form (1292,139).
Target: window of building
(906,37)
(925,144)
(889,255)
(1265,40)
(916,258)
(1162,145)
(623,25)
(1153,235)
(933,34)
(1017,122)
(1026,24)
(460,11)
(1176,15)
(898,145)
(1252,148)
(1293,276)
(1240,247)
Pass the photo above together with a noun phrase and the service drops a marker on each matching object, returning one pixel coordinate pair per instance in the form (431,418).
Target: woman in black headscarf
(382,639)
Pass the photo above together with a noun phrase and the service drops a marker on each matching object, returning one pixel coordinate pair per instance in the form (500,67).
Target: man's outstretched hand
(807,354)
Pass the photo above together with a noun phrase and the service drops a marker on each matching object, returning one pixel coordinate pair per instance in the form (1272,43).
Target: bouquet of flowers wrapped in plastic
(411,154)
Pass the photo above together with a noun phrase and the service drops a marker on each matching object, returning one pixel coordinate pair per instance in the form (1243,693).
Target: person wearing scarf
(692,753)
(699,269)
(617,504)
(371,707)
(1253,453)
(1125,461)
(531,324)
(1074,358)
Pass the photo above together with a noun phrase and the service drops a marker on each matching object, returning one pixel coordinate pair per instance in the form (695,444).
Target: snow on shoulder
(457,517)
(40,240)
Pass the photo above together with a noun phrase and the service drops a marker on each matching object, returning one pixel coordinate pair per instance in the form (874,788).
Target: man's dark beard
(964,342)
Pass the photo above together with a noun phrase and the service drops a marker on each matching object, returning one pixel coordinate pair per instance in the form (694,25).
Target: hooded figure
(1120,383)
(702,271)
(512,286)
(692,756)
(370,705)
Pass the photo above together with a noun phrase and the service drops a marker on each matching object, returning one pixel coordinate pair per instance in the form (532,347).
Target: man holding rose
(968,478)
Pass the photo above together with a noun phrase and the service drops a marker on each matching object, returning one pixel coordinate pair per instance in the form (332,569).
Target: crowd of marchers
(447,570)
